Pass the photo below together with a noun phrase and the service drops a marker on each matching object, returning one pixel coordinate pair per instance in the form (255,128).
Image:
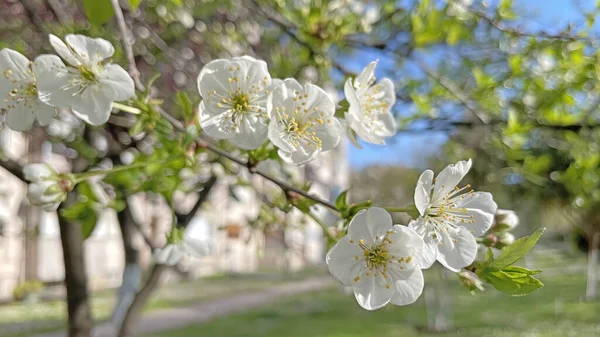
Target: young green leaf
(517,250)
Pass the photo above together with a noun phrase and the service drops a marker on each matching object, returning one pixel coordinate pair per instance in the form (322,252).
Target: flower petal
(409,290)
(63,50)
(481,207)
(37,172)
(90,50)
(298,157)
(116,83)
(371,292)
(430,247)
(213,123)
(457,249)
(369,225)
(252,133)
(423,191)
(45,113)
(92,106)
(53,81)
(329,133)
(20,117)
(341,260)
(450,176)
(405,242)
(364,78)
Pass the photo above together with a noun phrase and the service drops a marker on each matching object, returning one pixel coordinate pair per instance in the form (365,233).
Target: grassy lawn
(554,311)
(25,319)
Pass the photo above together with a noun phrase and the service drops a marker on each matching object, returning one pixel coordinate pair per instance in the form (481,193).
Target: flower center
(377,256)
(88,74)
(240,103)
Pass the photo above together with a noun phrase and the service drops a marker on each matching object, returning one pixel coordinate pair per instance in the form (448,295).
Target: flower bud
(505,239)
(505,220)
(45,188)
(470,280)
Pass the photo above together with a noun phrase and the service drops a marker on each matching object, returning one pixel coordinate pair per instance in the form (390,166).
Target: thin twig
(127,42)
(203,143)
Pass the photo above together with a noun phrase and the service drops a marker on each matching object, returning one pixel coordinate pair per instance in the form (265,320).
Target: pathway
(173,318)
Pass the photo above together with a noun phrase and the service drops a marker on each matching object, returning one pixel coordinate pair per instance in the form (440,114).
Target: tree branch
(184,220)
(127,41)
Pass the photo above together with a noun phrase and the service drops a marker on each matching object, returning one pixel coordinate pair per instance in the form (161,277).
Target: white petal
(279,136)
(363,79)
(329,133)
(92,106)
(196,248)
(481,206)
(116,83)
(369,225)
(53,79)
(45,113)
(450,176)
(406,242)
(423,191)
(252,133)
(457,249)
(430,247)
(63,50)
(318,99)
(210,78)
(37,172)
(409,290)
(17,63)
(89,49)
(20,118)
(213,123)
(350,94)
(299,157)
(51,207)
(386,88)
(371,292)
(279,95)
(341,260)
(168,255)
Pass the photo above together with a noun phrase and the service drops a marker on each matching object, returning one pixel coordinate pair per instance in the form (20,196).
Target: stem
(410,208)
(84,176)
(127,42)
(324,226)
(126,108)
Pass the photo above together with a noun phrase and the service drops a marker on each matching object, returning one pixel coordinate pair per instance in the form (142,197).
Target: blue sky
(412,149)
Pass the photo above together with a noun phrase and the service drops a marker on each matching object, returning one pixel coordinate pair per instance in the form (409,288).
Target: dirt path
(173,318)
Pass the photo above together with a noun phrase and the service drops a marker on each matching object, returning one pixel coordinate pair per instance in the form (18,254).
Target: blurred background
(512,84)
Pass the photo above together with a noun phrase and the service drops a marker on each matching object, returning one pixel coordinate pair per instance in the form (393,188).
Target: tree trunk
(592,267)
(131,317)
(78,307)
(132,274)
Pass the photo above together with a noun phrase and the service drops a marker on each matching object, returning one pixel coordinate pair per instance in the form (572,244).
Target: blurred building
(30,240)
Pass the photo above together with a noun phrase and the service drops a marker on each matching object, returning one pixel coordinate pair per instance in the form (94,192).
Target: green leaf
(522,270)
(512,283)
(341,202)
(517,250)
(184,102)
(134,4)
(84,214)
(98,12)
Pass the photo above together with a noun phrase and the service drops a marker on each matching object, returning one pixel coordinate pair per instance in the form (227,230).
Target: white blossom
(180,245)
(85,84)
(451,217)
(234,105)
(380,261)
(19,93)
(369,114)
(505,219)
(302,123)
(45,188)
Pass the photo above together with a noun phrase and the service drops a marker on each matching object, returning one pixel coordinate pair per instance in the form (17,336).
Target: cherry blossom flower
(369,114)
(45,189)
(234,105)
(180,245)
(380,261)
(451,217)
(19,94)
(302,123)
(86,84)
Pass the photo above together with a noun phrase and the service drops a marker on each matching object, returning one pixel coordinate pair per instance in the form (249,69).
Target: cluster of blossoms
(87,84)
(382,262)
(243,104)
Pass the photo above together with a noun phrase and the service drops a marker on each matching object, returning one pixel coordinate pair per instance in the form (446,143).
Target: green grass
(554,311)
(51,315)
